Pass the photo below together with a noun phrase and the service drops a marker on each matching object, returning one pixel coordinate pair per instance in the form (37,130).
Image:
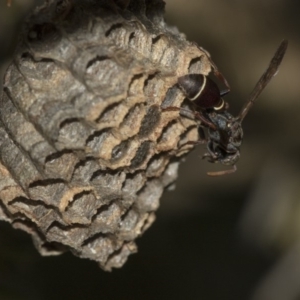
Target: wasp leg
(216,71)
(210,158)
(196,114)
(202,134)
(224,92)
(202,140)
(194,143)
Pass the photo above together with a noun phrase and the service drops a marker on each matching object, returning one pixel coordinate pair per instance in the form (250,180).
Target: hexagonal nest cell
(86,149)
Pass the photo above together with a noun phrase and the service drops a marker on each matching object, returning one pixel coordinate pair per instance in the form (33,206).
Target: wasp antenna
(221,173)
(270,72)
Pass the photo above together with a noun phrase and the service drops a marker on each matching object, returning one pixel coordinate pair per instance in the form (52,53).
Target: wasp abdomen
(200,89)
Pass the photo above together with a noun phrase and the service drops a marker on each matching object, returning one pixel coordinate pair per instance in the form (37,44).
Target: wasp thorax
(236,133)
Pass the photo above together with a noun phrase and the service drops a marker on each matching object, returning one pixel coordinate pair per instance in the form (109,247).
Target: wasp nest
(86,149)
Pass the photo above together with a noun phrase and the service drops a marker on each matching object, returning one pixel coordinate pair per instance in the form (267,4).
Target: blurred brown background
(233,237)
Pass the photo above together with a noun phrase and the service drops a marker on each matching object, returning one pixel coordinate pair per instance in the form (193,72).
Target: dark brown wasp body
(202,90)
(225,133)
